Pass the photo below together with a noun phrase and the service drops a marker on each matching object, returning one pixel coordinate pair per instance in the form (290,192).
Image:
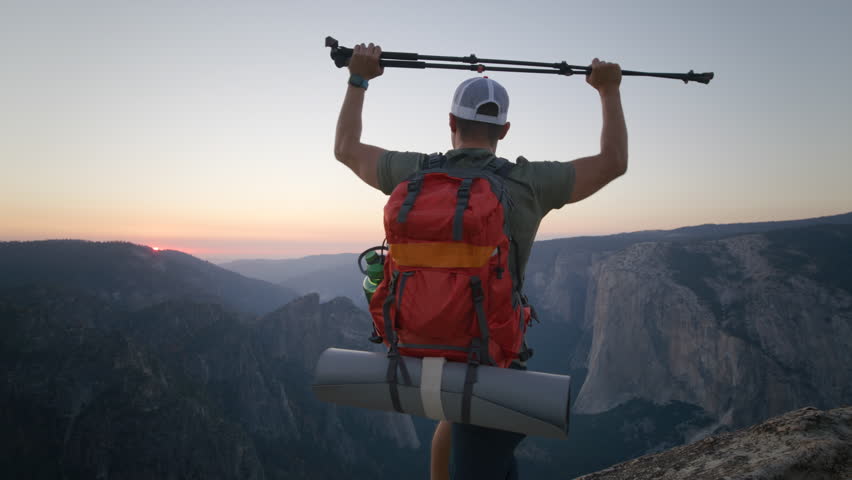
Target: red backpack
(447,289)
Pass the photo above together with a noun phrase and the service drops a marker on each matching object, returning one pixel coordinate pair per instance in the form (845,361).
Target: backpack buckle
(475,353)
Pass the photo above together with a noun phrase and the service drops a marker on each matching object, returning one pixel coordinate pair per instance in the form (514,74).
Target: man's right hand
(605,76)
(365,61)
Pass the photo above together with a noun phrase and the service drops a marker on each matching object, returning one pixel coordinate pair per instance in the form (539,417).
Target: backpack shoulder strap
(434,160)
(500,166)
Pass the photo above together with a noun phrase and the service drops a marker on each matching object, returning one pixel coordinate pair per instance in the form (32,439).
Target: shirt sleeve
(394,167)
(553,183)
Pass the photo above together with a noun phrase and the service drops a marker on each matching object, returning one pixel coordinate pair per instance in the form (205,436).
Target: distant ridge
(709,231)
(133,276)
(337,274)
(278,271)
(543,250)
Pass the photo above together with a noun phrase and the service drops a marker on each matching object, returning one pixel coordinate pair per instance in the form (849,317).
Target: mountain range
(125,362)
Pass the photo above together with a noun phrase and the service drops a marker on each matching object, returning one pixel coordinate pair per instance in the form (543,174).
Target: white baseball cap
(475,92)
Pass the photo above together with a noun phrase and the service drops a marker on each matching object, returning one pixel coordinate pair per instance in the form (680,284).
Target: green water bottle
(374,273)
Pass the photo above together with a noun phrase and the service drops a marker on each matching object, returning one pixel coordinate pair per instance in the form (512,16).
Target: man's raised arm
(592,173)
(361,158)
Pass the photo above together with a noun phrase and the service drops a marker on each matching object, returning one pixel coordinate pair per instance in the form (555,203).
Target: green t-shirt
(536,187)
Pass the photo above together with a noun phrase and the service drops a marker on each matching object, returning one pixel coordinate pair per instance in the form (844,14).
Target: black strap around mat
(470,378)
(395,363)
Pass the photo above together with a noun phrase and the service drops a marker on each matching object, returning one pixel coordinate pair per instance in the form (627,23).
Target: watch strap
(358,81)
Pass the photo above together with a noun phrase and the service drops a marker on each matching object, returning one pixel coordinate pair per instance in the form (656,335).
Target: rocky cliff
(182,390)
(672,337)
(722,325)
(79,401)
(806,444)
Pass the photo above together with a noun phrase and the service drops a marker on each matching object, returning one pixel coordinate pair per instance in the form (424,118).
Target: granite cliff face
(720,325)
(672,337)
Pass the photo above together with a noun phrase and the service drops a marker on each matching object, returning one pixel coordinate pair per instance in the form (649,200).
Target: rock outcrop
(806,444)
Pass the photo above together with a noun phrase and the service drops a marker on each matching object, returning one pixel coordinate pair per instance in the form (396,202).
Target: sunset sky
(208,127)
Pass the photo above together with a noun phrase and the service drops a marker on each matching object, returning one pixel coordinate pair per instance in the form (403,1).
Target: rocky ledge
(806,444)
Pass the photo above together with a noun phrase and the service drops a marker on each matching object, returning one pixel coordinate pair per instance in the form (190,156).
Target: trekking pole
(341,56)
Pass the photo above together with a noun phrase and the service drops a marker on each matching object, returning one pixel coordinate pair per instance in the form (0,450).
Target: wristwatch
(358,81)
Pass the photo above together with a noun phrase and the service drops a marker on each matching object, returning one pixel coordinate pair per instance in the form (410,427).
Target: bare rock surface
(805,444)
(723,324)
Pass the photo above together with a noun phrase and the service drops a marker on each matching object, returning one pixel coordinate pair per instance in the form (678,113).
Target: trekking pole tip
(700,77)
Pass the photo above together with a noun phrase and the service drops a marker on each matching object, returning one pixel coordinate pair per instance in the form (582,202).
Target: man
(477,122)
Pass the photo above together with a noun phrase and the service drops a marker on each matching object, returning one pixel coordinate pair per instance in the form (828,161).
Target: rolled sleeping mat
(522,401)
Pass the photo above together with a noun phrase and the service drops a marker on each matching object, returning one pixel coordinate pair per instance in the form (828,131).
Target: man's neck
(482,145)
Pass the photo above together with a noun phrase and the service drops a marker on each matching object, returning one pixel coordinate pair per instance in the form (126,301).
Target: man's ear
(505,130)
(453,123)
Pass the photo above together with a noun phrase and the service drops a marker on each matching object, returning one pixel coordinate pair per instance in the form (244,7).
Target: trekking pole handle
(690,76)
(686,77)
(341,55)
